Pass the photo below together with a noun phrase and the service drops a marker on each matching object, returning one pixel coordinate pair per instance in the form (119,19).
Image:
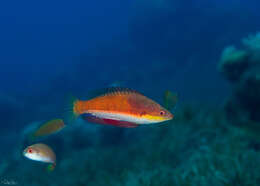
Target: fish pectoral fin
(170,100)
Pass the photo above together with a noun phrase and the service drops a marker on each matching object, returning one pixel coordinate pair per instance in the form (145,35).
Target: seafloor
(199,147)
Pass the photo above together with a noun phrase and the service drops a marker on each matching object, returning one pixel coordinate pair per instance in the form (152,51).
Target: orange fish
(121,107)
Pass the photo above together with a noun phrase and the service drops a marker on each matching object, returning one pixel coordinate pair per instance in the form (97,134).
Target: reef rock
(233,63)
(242,68)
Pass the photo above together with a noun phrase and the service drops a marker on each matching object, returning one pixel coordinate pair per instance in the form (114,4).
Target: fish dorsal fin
(118,91)
(112,91)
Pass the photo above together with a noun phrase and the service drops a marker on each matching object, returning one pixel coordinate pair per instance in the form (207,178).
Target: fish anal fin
(104,121)
(118,123)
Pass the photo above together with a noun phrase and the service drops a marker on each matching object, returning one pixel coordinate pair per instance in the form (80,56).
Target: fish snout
(24,151)
(169,116)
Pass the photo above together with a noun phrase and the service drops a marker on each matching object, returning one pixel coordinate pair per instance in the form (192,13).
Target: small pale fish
(49,127)
(170,100)
(41,152)
(121,107)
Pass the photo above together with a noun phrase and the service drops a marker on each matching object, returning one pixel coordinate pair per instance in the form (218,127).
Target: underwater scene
(130,93)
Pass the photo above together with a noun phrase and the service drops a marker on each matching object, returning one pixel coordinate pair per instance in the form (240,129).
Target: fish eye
(162,112)
(30,151)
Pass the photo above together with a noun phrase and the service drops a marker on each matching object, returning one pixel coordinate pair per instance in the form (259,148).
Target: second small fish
(49,127)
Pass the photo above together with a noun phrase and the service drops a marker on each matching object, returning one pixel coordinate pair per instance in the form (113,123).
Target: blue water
(51,49)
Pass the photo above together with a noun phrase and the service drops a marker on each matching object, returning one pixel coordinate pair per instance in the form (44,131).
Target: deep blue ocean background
(50,49)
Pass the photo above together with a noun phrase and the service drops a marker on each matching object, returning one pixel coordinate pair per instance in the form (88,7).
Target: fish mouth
(168,116)
(171,117)
(25,153)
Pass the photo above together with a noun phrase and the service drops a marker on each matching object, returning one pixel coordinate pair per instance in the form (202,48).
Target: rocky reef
(197,148)
(241,67)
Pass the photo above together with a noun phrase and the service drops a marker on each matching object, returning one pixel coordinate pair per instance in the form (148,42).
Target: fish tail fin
(71,113)
(51,167)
